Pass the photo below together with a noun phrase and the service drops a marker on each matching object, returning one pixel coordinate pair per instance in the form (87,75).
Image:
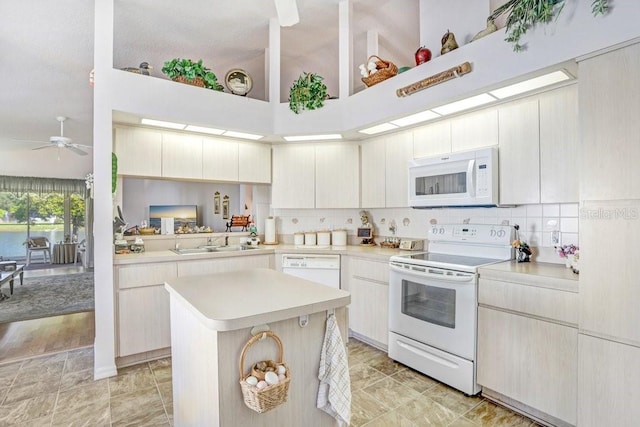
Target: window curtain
(25,184)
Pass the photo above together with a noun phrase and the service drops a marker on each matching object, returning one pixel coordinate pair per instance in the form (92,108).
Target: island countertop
(235,300)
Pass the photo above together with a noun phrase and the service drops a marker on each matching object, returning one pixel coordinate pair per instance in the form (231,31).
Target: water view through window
(27,215)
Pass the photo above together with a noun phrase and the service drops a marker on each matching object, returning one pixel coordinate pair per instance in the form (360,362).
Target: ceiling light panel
(313,137)
(422,116)
(531,84)
(464,104)
(211,131)
(243,135)
(159,123)
(378,128)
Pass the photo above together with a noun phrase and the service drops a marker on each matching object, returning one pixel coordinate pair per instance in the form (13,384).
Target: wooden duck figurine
(144,69)
(448,43)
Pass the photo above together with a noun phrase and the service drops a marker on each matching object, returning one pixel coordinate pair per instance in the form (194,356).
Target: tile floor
(58,390)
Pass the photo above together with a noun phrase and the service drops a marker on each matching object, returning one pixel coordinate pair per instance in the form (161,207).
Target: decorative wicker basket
(265,399)
(385,69)
(147,231)
(198,81)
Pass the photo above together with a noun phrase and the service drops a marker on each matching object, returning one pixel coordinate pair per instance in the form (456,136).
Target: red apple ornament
(422,55)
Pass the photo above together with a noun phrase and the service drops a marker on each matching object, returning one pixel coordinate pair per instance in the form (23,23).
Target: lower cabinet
(528,347)
(143,315)
(368,282)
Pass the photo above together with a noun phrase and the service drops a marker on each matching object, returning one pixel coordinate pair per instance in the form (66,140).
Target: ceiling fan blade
(43,147)
(287,12)
(76,150)
(80,145)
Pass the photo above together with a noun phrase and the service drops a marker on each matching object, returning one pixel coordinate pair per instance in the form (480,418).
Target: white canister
(324,238)
(310,238)
(339,237)
(298,239)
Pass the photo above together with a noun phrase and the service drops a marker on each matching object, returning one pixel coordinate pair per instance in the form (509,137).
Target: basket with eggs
(267,384)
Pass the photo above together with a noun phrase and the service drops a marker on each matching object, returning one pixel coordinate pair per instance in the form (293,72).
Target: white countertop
(241,299)
(543,274)
(167,255)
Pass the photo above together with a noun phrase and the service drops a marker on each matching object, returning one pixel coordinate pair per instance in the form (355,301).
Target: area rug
(47,296)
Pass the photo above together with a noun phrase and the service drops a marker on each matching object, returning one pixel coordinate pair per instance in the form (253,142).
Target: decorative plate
(238,82)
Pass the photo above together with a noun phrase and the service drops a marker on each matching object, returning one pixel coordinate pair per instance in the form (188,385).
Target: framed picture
(225,207)
(216,203)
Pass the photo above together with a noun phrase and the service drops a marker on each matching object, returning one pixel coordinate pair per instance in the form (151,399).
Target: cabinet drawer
(552,304)
(367,269)
(146,274)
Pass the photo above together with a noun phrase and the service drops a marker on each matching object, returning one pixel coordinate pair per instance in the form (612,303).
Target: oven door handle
(433,273)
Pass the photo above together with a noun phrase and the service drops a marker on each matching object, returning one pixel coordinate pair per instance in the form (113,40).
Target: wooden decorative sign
(449,74)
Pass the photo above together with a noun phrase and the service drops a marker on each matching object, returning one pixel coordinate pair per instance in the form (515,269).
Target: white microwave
(468,178)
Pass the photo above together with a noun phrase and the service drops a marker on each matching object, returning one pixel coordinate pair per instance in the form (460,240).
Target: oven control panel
(476,233)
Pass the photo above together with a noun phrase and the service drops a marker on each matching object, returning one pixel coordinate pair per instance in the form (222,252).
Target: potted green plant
(308,92)
(193,73)
(524,14)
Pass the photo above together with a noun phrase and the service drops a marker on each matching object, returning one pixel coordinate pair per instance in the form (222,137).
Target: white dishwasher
(323,269)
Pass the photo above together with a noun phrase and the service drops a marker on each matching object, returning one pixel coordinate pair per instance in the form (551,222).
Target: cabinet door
(143,320)
(369,312)
(219,159)
(337,176)
(529,360)
(474,130)
(432,139)
(221,265)
(294,174)
(559,146)
(139,152)
(399,150)
(255,162)
(181,156)
(519,153)
(372,163)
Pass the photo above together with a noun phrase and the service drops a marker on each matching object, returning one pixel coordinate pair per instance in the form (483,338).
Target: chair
(39,244)
(81,251)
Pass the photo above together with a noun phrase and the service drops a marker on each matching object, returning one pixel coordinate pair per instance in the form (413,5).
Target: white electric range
(433,301)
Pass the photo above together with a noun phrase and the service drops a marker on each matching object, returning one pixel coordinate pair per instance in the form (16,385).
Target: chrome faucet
(226,240)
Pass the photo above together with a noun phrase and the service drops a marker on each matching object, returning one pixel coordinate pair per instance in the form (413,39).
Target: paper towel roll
(270,230)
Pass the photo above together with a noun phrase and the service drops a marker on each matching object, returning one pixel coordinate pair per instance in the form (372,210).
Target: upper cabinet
(474,130)
(255,162)
(150,153)
(559,145)
(219,159)
(384,170)
(324,175)
(519,153)
(139,151)
(337,176)
(181,156)
(432,140)
(293,183)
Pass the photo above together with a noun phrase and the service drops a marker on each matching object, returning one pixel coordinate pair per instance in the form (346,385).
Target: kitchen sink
(207,249)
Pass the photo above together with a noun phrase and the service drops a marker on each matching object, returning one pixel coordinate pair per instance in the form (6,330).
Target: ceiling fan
(63,142)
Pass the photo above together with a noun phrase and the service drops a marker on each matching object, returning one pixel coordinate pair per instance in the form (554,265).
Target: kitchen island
(211,320)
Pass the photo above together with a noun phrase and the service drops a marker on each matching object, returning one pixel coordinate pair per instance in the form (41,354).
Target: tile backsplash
(539,224)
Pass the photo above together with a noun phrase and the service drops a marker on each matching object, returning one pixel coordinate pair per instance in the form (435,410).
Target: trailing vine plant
(308,92)
(524,14)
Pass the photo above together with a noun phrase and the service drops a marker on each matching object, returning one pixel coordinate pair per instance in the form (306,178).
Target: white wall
(47,163)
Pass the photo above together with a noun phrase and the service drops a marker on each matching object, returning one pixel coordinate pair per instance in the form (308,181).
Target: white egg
(281,369)
(262,384)
(282,377)
(251,380)
(271,378)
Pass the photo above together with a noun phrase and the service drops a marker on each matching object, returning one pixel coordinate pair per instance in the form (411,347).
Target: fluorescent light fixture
(234,134)
(422,116)
(378,128)
(464,104)
(159,123)
(531,84)
(211,131)
(313,137)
